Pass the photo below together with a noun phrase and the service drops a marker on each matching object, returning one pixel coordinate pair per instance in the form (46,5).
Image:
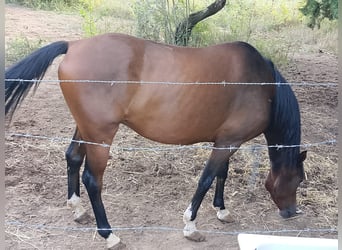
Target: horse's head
(282,183)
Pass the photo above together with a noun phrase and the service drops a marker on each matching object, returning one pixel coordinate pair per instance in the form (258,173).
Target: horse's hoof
(225,216)
(118,246)
(83,219)
(194,236)
(114,243)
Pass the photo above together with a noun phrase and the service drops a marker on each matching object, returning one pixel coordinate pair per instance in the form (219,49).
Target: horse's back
(169,113)
(123,57)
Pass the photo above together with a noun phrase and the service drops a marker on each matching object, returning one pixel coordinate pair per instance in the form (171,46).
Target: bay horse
(225,114)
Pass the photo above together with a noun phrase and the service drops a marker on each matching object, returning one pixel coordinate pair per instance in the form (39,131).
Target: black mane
(284,127)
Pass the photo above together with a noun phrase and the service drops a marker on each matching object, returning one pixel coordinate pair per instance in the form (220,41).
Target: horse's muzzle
(288,212)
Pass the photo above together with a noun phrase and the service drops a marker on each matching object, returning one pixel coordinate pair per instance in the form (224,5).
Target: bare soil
(152,189)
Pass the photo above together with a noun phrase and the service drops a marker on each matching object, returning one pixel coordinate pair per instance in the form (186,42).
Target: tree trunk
(183,30)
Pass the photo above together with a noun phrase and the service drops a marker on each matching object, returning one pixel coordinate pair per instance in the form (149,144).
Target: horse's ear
(302,156)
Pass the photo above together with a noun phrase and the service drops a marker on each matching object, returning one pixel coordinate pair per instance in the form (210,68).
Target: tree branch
(183,30)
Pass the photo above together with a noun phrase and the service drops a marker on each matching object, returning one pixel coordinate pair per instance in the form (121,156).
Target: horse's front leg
(74,157)
(216,166)
(223,214)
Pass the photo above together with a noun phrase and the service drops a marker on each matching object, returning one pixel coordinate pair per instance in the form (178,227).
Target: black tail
(33,67)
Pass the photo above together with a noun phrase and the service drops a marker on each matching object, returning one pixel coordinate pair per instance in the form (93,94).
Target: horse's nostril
(288,212)
(284,213)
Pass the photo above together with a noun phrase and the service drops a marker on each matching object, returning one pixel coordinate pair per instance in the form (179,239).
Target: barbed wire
(165,228)
(113,82)
(168,148)
(173,147)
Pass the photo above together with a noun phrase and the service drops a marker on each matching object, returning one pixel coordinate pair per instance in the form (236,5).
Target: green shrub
(87,8)
(115,9)
(245,19)
(20,47)
(156,19)
(316,11)
(104,16)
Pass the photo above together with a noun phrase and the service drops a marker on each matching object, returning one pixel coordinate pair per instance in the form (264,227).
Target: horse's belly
(191,114)
(165,133)
(177,125)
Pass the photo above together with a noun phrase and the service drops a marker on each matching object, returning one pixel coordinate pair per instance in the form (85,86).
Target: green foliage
(316,11)
(261,23)
(274,49)
(245,19)
(104,16)
(203,34)
(275,28)
(156,19)
(20,47)
(115,9)
(86,11)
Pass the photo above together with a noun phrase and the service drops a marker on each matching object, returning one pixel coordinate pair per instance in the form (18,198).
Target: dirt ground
(152,189)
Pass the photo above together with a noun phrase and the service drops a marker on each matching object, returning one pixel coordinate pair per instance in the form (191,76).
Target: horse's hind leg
(95,164)
(74,157)
(222,214)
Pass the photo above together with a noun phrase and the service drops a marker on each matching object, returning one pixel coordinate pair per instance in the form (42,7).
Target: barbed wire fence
(113,82)
(253,149)
(165,228)
(172,147)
